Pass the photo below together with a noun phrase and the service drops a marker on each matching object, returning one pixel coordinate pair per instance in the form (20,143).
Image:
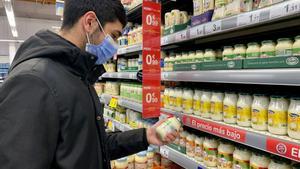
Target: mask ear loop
(87,37)
(101,26)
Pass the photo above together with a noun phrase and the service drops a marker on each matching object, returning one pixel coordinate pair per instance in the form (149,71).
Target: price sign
(196,31)
(284,148)
(181,36)
(212,27)
(248,18)
(164,151)
(284,9)
(113,102)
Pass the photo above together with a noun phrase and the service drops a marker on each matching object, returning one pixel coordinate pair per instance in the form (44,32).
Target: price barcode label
(196,31)
(113,102)
(181,36)
(284,9)
(164,152)
(165,40)
(212,27)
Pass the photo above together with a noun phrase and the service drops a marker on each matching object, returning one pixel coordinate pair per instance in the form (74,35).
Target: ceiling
(35,9)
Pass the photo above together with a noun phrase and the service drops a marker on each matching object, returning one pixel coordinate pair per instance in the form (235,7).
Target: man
(50,115)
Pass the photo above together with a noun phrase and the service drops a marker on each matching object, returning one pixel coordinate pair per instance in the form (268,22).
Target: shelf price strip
(151,19)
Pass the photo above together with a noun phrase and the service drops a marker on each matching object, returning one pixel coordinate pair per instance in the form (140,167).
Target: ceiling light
(10,17)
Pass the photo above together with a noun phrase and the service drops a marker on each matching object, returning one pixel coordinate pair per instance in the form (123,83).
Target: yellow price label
(113,103)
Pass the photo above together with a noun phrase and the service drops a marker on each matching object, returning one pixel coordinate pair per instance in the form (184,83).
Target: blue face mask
(105,50)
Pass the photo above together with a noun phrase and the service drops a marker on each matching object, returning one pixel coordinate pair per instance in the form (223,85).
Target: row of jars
(224,155)
(176,17)
(277,114)
(134,36)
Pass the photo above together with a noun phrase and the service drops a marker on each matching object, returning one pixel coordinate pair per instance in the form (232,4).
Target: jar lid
(142,154)
(124,159)
(267,41)
(252,43)
(283,39)
(150,149)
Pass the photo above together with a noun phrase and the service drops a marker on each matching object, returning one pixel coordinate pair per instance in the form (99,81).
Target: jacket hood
(46,44)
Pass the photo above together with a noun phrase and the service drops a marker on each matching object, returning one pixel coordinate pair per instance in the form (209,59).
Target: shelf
(117,124)
(120,75)
(105,98)
(272,17)
(256,76)
(130,49)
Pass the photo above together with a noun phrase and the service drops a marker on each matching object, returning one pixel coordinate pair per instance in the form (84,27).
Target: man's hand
(154,139)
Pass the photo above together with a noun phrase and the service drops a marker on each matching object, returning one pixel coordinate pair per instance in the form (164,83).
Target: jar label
(172,101)
(296,52)
(228,57)
(187,104)
(277,118)
(259,117)
(284,52)
(229,111)
(240,56)
(244,114)
(294,122)
(225,160)
(253,55)
(210,154)
(166,100)
(267,54)
(131,165)
(216,108)
(209,59)
(190,147)
(253,166)
(240,164)
(178,101)
(198,150)
(197,105)
(140,165)
(199,59)
(205,107)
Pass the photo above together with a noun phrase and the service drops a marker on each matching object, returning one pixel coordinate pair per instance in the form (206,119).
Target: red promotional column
(151,58)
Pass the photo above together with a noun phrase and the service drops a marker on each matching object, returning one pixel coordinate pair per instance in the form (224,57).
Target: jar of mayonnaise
(294,118)
(150,157)
(228,53)
(187,101)
(284,47)
(239,51)
(241,158)
(183,140)
(253,50)
(178,58)
(296,46)
(191,57)
(277,115)
(259,112)
(197,102)
(112,164)
(244,110)
(190,145)
(225,155)
(209,55)
(141,160)
(178,94)
(210,152)
(259,161)
(184,58)
(130,160)
(170,125)
(205,104)
(267,49)
(199,148)
(172,101)
(199,56)
(121,163)
(171,63)
(279,164)
(166,98)
(216,106)
(230,108)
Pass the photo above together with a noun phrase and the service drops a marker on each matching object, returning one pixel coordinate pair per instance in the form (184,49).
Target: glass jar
(259,112)
(187,101)
(166,98)
(178,94)
(225,155)
(241,158)
(171,64)
(210,152)
(178,58)
(267,49)
(184,58)
(205,104)
(296,46)
(199,56)
(294,119)
(284,47)
(253,50)
(121,163)
(244,110)
(130,160)
(183,140)
(199,148)
(191,57)
(197,102)
(277,115)
(216,106)
(172,102)
(210,55)
(150,157)
(190,145)
(239,51)
(170,125)
(230,108)
(259,161)
(278,164)
(228,53)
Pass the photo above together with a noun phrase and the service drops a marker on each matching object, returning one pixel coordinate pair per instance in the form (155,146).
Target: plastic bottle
(121,163)
(259,112)
(216,106)
(197,102)
(150,158)
(259,161)
(210,153)
(187,101)
(244,110)
(239,51)
(241,158)
(253,50)
(166,98)
(294,119)
(284,47)
(199,148)
(267,49)
(141,160)
(296,46)
(225,155)
(230,108)
(228,53)
(178,93)
(277,115)
(172,101)
(167,127)
(190,145)
(205,104)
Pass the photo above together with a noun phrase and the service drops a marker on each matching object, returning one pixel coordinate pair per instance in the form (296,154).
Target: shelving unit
(120,75)
(117,124)
(105,98)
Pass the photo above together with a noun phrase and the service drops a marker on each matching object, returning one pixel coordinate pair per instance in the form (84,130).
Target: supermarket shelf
(270,16)
(180,159)
(130,49)
(120,75)
(117,124)
(105,98)
(256,76)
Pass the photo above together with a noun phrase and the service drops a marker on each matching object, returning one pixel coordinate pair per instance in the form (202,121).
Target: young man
(50,114)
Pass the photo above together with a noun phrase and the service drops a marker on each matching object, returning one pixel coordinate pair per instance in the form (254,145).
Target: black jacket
(50,114)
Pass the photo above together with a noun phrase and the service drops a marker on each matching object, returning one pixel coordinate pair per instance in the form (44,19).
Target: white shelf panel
(130,49)
(120,75)
(105,98)
(274,13)
(253,76)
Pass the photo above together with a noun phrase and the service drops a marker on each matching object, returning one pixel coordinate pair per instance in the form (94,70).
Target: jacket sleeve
(126,143)
(29,123)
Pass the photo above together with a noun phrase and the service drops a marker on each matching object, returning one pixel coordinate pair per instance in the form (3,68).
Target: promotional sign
(216,129)
(151,58)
